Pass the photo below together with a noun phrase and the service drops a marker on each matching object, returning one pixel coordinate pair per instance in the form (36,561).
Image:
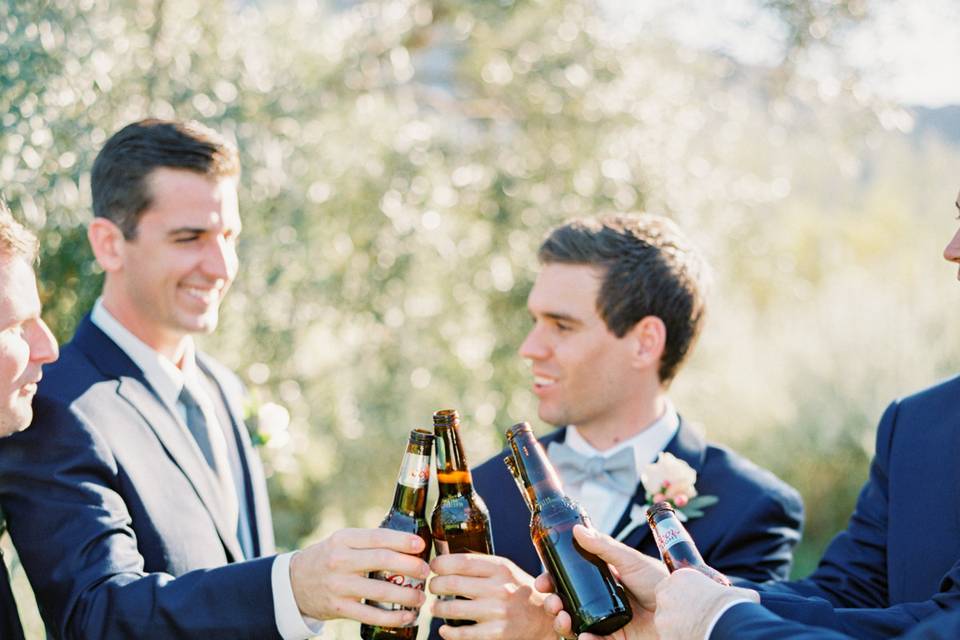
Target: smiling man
(616,309)
(25,346)
(136,502)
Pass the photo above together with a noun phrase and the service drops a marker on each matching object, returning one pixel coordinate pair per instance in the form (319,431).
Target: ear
(650,339)
(107,242)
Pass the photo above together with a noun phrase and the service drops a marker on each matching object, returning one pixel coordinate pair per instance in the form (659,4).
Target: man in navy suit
(136,502)
(896,564)
(25,346)
(616,309)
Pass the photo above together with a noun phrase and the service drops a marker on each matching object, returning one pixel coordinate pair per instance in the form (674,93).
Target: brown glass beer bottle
(594,599)
(460,522)
(676,546)
(408,514)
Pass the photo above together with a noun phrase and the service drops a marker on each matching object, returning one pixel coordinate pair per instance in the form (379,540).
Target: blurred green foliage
(402,160)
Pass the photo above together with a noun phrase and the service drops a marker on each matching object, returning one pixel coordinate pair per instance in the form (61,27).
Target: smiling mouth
(206,296)
(540,381)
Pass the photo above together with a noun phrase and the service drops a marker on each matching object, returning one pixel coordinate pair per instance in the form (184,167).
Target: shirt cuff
(291,624)
(717,616)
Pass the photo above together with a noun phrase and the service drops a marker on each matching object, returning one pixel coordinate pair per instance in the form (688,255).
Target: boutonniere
(672,480)
(268,423)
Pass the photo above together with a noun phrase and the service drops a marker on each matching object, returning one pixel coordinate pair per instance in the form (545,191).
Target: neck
(608,433)
(171,345)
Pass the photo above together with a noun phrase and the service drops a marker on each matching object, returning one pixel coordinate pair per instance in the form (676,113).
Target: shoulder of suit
(945,391)
(733,473)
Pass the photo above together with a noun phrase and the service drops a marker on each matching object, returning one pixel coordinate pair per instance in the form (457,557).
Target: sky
(907,50)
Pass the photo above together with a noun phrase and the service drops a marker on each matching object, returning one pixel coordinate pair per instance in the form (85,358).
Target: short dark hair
(120,190)
(650,269)
(16,241)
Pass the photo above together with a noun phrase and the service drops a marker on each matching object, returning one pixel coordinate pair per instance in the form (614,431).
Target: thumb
(608,549)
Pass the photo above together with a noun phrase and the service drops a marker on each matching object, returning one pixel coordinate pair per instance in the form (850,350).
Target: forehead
(179,197)
(566,288)
(18,291)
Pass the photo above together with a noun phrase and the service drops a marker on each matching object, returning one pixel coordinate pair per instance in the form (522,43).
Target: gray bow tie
(617,472)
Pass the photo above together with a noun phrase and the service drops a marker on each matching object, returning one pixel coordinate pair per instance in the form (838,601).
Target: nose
(533,346)
(952,251)
(220,261)
(43,346)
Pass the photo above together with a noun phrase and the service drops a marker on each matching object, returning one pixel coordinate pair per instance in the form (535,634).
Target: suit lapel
(688,445)
(255,494)
(163,420)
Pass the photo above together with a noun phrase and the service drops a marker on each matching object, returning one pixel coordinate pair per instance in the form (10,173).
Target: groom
(616,309)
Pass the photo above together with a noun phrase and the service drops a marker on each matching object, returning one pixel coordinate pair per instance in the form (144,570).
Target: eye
(184,239)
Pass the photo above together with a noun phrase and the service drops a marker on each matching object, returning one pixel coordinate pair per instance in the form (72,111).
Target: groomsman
(25,346)
(136,502)
(896,564)
(616,309)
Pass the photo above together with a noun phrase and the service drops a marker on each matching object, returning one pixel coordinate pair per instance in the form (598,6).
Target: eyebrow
(181,230)
(556,315)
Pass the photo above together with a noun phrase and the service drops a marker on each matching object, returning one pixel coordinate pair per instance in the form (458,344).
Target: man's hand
(329,578)
(502,599)
(639,574)
(688,601)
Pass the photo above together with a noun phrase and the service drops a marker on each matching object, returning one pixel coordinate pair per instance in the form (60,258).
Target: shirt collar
(646,444)
(166,378)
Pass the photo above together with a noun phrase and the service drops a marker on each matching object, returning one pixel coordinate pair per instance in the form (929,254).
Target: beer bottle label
(670,532)
(415,472)
(400,581)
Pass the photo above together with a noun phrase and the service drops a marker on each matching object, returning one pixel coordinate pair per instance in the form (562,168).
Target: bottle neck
(412,482)
(453,470)
(673,539)
(534,470)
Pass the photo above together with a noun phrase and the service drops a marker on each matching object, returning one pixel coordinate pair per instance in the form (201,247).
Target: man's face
(952,251)
(582,373)
(183,258)
(25,344)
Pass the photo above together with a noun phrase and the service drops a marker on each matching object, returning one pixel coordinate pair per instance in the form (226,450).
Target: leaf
(703,501)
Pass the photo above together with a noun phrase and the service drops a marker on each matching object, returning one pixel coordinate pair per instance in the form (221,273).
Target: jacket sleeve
(60,487)
(870,623)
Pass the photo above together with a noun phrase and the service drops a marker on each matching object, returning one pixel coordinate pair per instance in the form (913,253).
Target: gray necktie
(197,423)
(617,472)
(214,449)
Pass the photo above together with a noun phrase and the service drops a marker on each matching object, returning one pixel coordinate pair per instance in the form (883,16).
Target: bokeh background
(403,158)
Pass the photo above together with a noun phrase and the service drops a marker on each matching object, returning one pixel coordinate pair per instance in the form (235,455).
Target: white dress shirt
(605,507)
(167,380)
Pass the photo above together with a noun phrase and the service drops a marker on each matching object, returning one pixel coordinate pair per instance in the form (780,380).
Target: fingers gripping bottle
(408,514)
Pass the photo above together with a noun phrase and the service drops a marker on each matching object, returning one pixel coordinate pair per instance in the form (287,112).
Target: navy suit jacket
(754,622)
(115,515)
(750,533)
(895,563)
(9,619)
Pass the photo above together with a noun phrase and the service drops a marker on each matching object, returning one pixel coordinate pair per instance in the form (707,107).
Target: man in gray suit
(136,502)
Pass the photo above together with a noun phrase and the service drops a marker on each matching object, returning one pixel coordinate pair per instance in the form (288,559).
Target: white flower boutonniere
(268,424)
(672,480)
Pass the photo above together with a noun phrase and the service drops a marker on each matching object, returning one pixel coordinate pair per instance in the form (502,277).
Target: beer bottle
(676,546)
(408,514)
(460,522)
(594,599)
